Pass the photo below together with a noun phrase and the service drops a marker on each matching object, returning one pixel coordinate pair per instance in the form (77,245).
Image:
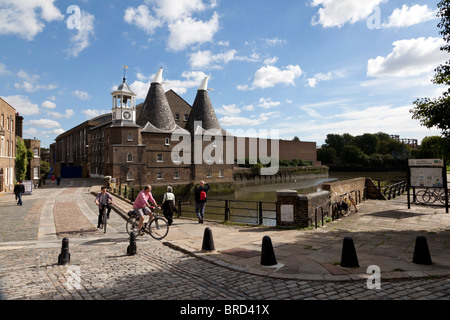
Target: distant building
(34,165)
(412,143)
(155,142)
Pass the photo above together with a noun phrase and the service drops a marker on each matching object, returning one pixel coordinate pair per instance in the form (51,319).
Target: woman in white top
(168,205)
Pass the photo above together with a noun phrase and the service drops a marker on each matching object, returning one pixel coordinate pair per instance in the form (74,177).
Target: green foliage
(436,112)
(22,158)
(373,150)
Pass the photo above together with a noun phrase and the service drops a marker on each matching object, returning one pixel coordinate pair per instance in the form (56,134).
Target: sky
(282,68)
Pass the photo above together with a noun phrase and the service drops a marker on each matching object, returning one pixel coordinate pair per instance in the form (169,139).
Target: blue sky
(302,68)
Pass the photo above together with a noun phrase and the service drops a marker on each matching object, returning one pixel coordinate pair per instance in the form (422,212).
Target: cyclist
(141,206)
(103,199)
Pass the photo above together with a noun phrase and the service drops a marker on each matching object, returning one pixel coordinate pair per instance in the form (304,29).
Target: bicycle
(157,227)
(104,217)
(431,195)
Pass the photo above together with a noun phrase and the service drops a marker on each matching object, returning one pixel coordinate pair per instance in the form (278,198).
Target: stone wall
(356,187)
(299,209)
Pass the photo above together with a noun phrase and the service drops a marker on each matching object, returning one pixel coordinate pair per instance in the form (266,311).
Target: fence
(236,211)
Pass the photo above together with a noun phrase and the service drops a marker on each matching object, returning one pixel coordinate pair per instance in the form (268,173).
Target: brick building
(162,141)
(7,145)
(34,165)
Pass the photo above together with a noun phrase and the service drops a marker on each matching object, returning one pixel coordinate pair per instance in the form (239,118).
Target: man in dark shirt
(200,200)
(19,190)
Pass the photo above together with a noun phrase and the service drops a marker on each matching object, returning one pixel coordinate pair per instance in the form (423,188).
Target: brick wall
(299,210)
(354,186)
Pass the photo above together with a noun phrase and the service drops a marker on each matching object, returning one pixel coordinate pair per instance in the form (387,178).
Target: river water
(267,192)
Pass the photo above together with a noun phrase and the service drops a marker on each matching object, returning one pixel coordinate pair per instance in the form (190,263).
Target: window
(208,174)
(36,173)
(159,175)
(159,157)
(176,175)
(36,152)
(221,173)
(177,117)
(186,117)
(130,176)
(130,158)
(130,138)
(175,158)
(167,142)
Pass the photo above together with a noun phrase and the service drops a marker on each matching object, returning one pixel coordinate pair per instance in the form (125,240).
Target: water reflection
(268,192)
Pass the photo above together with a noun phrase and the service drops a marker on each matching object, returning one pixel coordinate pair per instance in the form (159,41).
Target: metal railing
(393,190)
(236,211)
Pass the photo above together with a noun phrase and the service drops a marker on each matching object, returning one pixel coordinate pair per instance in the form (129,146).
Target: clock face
(126,115)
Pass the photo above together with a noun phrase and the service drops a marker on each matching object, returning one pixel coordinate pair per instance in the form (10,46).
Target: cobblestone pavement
(100,268)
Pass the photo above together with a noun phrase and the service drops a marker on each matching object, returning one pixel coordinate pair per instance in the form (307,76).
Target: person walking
(141,205)
(200,200)
(104,198)
(168,205)
(19,190)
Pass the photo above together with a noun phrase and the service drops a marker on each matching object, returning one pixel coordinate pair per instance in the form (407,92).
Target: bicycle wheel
(105,220)
(442,196)
(419,195)
(132,225)
(429,196)
(158,228)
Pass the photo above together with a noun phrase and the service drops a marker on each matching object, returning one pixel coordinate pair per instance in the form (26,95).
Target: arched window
(130,158)
(130,176)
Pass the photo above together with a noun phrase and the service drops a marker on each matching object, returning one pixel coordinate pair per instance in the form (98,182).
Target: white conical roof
(204,84)
(158,76)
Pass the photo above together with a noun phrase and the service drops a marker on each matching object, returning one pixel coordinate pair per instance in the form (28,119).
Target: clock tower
(123,105)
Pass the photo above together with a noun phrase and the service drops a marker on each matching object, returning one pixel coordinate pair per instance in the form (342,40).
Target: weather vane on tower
(124,72)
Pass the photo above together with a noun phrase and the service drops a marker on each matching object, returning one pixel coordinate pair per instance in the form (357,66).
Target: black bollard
(208,243)
(64,256)
(348,257)
(267,253)
(131,249)
(421,251)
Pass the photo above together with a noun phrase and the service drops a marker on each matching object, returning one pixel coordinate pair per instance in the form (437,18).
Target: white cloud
(82,95)
(48,105)
(171,10)
(3,69)
(409,57)
(267,103)
(29,83)
(274,41)
(318,77)
(336,13)
(44,123)
(92,113)
(184,28)
(81,40)
(22,104)
(27,18)
(269,76)
(235,122)
(205,59)
(68,113)
(228,109)
(188,31)
(192,79)
(408,16)
(142,18)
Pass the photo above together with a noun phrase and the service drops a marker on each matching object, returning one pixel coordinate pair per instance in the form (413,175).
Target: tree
(326,155)
(367,142)
(22,158)
(436,112)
